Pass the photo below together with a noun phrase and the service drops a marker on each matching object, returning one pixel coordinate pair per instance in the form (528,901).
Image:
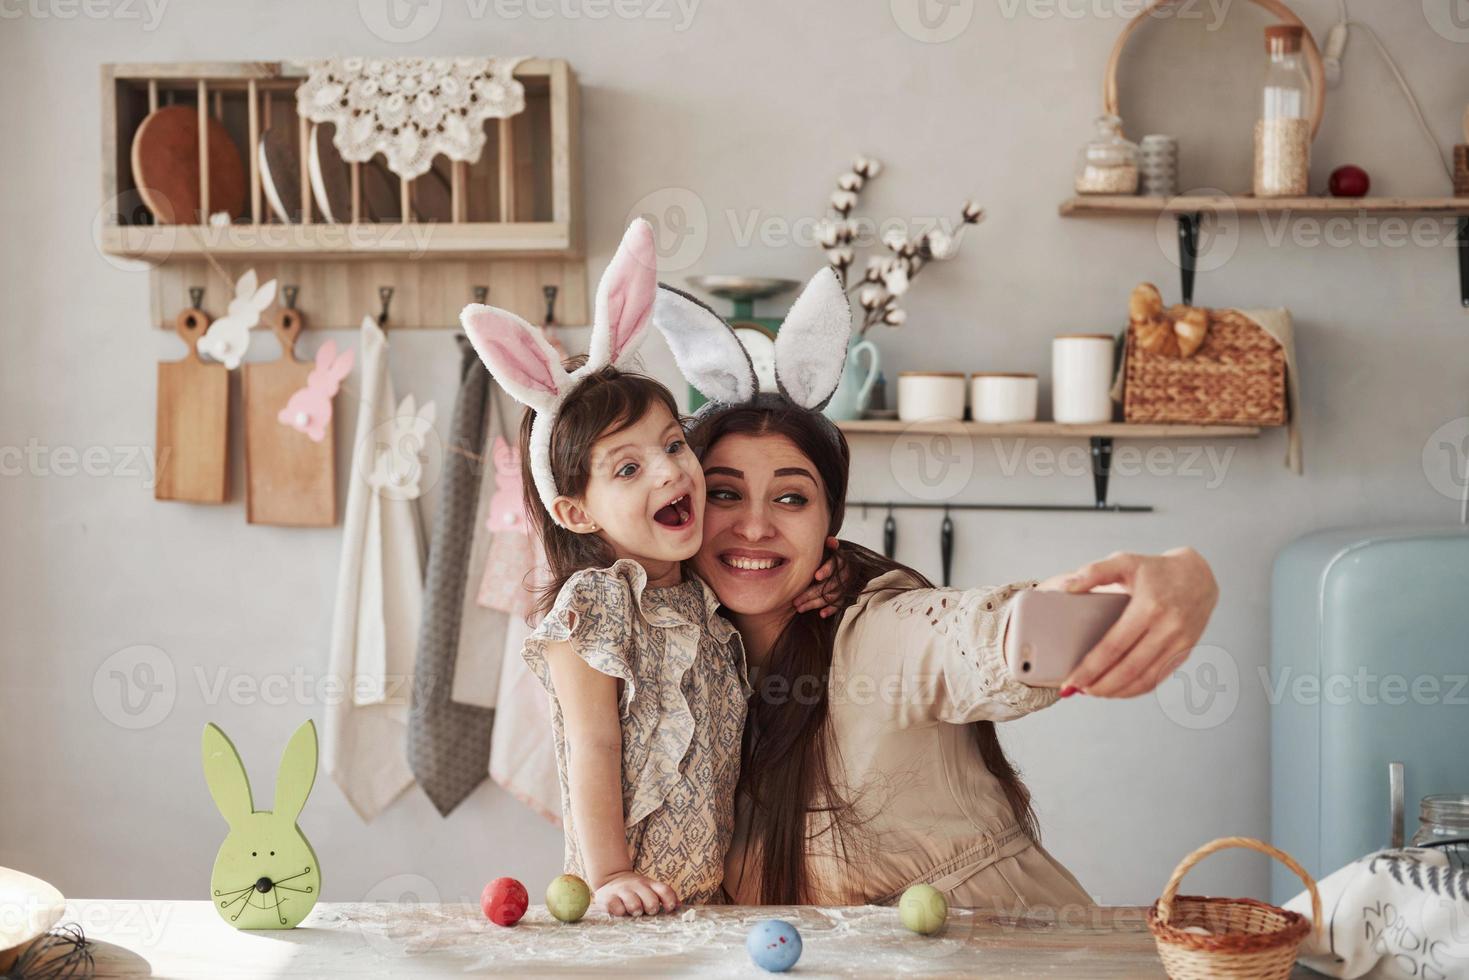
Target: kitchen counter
(363,939)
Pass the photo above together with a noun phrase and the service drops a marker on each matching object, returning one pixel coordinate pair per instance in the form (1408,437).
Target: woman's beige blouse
(911,669)
(684,692)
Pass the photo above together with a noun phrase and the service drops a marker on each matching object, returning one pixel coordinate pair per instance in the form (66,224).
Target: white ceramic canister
(1081,377)
(1000,396)
(928,395)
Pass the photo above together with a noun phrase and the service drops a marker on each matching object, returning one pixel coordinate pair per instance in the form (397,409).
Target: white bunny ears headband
(810,347)
(525,364)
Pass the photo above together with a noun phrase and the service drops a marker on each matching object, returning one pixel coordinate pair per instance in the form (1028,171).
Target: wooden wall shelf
(1189,210)
(512,221)
(1050,430)
(1100,435)
(1192,204)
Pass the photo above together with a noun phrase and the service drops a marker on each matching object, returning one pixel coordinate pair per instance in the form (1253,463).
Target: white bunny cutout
(397,468)
(526,365)
(810,346)
(228,337)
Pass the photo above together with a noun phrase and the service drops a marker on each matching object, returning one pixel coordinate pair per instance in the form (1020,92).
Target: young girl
(647,680)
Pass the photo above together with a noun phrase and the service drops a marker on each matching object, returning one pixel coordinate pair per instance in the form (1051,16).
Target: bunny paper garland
(525,364)
(810,346)
(309,409)
(228,337)
(265,875)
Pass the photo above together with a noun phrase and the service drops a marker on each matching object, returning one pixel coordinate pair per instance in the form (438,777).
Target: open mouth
(751,563)
(675,514)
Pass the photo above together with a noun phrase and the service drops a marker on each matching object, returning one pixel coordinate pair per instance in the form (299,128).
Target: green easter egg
(567,898)
(923,909)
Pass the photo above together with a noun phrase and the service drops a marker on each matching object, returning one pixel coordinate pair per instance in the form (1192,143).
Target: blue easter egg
(774,945)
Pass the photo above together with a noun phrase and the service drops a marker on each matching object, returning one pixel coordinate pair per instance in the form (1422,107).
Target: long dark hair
(785,774)
(602,403)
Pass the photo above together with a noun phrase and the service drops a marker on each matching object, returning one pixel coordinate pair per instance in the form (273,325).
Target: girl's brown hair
(784,771)
(602,403)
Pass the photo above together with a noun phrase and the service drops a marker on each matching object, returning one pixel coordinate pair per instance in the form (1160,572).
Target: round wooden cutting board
(165,158)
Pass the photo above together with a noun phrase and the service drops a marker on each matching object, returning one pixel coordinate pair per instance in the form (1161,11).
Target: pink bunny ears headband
(810,348)
(528,367)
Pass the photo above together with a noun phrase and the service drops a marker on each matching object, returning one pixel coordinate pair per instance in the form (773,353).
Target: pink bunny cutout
(525,364)
(309,409)
(507,503)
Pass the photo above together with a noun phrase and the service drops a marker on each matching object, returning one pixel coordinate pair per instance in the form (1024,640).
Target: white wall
(753,108)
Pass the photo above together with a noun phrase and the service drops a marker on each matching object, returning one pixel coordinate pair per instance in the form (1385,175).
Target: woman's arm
(593,727)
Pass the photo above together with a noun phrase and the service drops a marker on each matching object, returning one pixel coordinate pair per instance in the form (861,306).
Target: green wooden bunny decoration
(265,875)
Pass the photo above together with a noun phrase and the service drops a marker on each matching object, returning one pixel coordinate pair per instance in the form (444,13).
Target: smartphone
(1050,632)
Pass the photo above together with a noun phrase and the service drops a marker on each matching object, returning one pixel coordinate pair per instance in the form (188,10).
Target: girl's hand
(823,593)
(1173,595)
(629,893)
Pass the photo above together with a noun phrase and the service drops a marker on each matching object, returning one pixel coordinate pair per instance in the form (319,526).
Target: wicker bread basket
(1236,378)
(1245,939)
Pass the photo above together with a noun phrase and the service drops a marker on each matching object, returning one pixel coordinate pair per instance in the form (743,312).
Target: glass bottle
(1108,163)
(1444,820)
(1283,131)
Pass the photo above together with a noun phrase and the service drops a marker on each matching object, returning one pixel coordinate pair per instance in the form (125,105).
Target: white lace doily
(410,109)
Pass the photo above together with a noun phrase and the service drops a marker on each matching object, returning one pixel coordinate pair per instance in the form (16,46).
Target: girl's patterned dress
(684,693)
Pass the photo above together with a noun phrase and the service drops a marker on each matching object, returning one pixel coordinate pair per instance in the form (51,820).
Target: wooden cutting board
(165,157)
(193,422)
(290,480)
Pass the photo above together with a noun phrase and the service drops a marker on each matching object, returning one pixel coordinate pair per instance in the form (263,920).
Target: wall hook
(289,292)
(384,293)
(481,293)
(550,293)
(196,297)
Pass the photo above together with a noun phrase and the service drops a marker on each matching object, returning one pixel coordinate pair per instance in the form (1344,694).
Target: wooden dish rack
(510,222)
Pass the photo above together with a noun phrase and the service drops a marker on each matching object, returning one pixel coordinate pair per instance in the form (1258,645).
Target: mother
(870,757)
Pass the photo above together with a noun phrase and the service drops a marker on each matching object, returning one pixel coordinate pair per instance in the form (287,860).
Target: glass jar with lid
(1443,822)
(1108,163)
(1283,131)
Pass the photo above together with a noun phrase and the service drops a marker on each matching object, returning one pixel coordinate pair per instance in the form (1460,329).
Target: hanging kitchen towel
(376,613)
(481,628)
(449,743)
(1397,913)
(523,755)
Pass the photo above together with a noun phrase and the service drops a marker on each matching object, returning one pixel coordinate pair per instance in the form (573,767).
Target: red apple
(1349,181)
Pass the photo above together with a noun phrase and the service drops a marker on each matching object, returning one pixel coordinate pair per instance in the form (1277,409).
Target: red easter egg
(1349,181)
(504,901)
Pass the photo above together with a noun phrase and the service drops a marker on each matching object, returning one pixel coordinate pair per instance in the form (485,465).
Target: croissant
(1177,331)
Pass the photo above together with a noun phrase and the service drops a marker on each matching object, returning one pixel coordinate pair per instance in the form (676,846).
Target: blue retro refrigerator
(1377,621)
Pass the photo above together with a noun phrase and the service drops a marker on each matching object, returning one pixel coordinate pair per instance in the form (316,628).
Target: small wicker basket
(1238,377)
(1246,939)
